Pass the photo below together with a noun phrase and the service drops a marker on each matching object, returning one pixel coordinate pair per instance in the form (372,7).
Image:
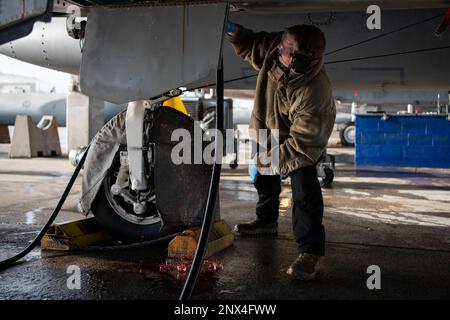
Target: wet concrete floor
(397,219)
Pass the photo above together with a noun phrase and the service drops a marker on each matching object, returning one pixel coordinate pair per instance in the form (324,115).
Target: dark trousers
(307,210)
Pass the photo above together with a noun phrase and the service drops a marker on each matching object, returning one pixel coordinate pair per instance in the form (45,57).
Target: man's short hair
(310,38)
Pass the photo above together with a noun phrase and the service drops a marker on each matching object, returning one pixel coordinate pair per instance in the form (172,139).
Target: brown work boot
(305,267)
(256,227)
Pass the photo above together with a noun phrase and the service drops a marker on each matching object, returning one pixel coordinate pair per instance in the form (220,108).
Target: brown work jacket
(301,107)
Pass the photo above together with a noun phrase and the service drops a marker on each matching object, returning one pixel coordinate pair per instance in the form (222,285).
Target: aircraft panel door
(139,53)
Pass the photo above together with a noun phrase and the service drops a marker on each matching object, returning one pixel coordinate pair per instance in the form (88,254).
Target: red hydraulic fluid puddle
(180,267)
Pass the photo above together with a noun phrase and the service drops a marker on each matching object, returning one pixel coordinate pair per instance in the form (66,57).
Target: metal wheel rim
(121,212)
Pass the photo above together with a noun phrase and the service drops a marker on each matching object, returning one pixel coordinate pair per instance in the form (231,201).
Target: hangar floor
(396,219)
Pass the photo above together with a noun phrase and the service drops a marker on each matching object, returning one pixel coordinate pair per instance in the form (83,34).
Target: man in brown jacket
(294,96)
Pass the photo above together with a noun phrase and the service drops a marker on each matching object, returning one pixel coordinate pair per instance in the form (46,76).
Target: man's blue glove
(253,172)
(230,27)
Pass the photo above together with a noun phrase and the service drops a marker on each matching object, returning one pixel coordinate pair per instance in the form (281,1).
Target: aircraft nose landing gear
(142,188)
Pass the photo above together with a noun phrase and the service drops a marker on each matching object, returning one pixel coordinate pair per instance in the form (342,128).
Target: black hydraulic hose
(10,261)
(213,188)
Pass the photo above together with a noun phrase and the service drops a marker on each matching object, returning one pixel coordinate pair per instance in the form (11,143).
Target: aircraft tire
(120,228)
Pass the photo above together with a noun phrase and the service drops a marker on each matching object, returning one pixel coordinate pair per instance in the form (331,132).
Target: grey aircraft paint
(394,80)
(50,46)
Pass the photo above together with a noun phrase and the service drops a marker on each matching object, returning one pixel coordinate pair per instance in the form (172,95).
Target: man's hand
(230,27)
(253,172)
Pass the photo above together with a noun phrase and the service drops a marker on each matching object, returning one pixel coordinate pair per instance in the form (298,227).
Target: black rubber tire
(233,165)
(328,179)
(120,228)
(343,134)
